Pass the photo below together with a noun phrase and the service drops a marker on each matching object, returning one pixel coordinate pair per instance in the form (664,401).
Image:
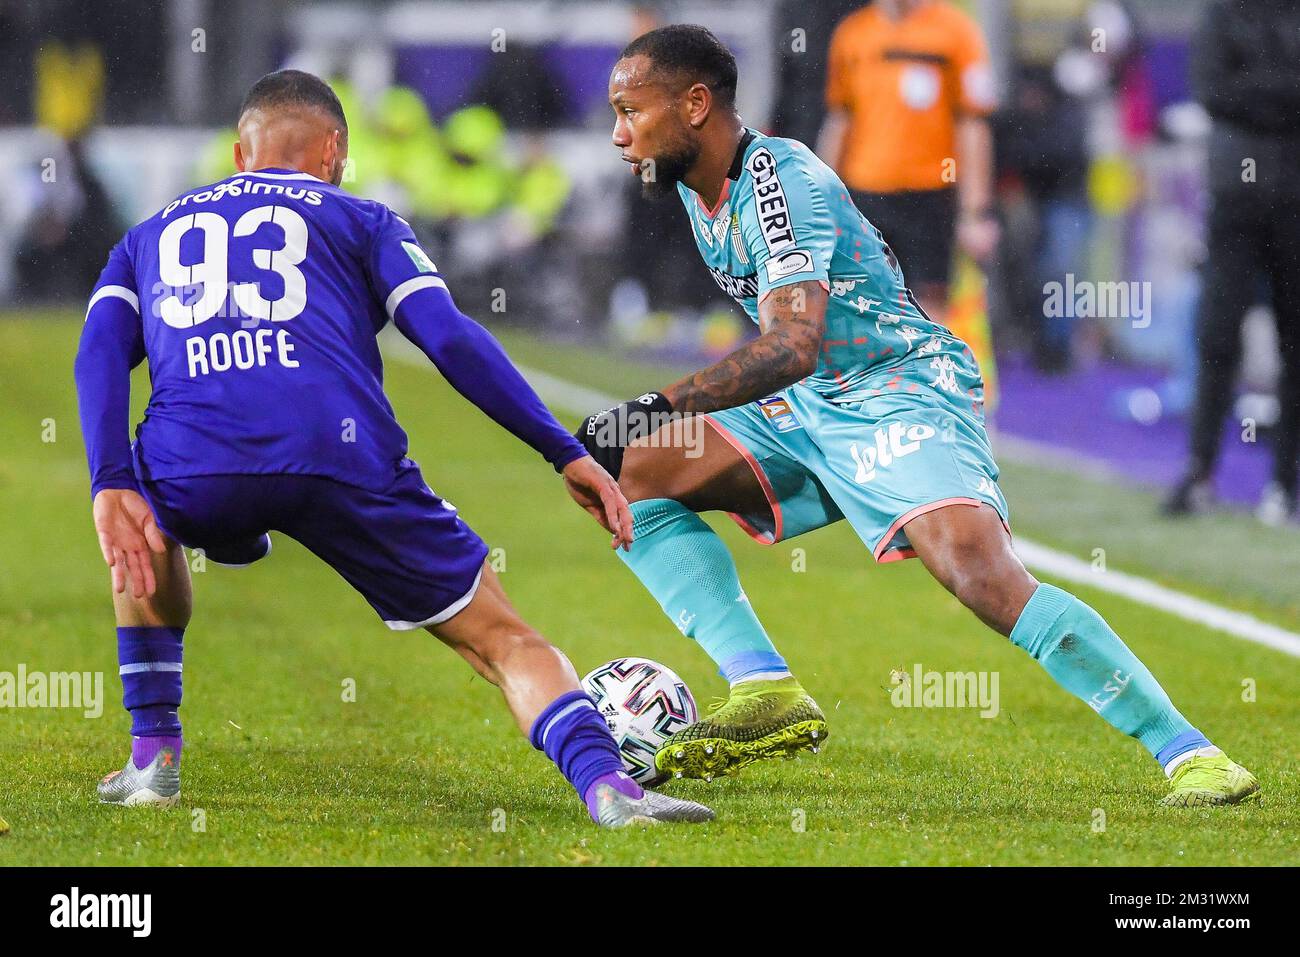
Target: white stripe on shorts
(443,615)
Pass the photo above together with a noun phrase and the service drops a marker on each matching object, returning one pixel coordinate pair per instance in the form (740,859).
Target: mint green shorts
(879,463)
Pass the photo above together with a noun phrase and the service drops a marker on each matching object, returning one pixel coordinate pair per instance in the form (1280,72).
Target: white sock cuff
(763,676)
(1174,764)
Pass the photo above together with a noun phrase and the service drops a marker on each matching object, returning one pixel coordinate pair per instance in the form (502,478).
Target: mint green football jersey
(785,217)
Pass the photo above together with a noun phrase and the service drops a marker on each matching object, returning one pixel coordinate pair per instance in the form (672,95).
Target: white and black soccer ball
(644,703)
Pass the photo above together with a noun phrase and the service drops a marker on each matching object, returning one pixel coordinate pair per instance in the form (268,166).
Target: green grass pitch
(425,766)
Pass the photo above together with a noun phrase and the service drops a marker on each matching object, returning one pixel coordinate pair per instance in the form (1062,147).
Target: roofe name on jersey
(188,294)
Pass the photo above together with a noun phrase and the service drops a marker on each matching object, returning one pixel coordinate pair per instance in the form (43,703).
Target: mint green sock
(1087,659)
(686,567)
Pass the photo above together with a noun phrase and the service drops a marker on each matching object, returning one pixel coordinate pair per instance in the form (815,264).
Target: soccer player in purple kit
(257,301)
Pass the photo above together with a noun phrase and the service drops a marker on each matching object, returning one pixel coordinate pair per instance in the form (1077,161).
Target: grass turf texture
(279,769)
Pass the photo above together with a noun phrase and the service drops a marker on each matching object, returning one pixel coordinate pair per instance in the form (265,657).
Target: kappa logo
(910,334)
(945,374)
(789,264)
(842,287)
(769,200)
(886,319)
(863,305)
(894,442)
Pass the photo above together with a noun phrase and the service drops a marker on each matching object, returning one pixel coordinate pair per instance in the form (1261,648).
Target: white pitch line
(579,399)
(1189,607)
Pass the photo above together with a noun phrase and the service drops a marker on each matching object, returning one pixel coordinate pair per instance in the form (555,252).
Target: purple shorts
(402,547)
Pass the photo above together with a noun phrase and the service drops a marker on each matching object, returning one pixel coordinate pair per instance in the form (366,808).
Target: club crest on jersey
(721,222)
(769,200)
(738,240)
(418,256)
(779,414)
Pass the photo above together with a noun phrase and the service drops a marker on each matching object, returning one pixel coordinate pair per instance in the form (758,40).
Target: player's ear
(336,154)
(699,103)
(239,157)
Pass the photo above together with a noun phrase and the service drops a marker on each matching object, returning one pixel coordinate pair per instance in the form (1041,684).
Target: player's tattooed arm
(793,320)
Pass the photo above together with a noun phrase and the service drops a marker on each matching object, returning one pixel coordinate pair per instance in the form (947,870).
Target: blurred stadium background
(485,123)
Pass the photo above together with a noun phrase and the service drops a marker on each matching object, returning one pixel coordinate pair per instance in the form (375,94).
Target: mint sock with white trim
(687,568)
(1080,651)
(149,661)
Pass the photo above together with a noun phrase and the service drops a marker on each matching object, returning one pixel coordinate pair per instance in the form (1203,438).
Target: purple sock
(149,661)
(144,750)
(576,738)
(620,781)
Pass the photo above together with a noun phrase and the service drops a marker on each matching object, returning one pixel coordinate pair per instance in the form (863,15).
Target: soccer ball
(644,703)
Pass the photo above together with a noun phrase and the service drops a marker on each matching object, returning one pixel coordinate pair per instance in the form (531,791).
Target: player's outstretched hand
(596,491)
(127,534)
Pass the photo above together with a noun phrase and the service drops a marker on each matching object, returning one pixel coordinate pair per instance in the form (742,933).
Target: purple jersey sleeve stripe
(119,292)
(405,289)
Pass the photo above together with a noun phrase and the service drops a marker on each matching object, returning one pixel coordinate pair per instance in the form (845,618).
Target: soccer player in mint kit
(256,302)
(852,404)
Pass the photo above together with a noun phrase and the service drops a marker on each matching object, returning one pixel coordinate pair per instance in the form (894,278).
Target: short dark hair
(689,49)
(294,88)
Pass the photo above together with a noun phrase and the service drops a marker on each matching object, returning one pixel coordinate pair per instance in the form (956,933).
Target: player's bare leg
(685,468)
(508,652)
(172,602)
(969,552)
(689,462)
(149,628)
(542,691)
